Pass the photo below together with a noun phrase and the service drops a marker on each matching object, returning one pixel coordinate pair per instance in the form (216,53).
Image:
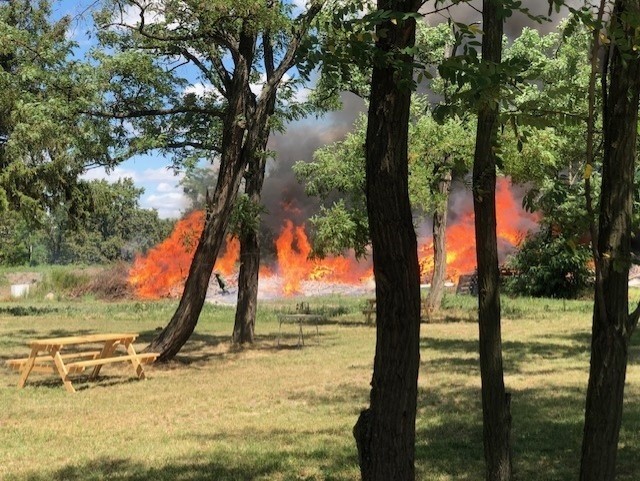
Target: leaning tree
(153,52)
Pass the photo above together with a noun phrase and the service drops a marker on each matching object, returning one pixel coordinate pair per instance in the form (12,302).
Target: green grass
(269,413)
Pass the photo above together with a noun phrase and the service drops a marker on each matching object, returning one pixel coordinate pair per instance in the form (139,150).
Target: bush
(549,266)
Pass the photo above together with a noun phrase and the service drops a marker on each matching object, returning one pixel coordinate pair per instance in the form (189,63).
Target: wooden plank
(17,363)
(143,358)
(63,371)
(88,338)
(27,367)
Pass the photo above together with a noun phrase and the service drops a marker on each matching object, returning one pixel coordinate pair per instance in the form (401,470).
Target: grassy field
(286,413)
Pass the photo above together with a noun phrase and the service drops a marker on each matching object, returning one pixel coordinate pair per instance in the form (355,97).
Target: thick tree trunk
(495,401)
(245,320)
(434,298)
(232,165)
(385,432)
(612,324)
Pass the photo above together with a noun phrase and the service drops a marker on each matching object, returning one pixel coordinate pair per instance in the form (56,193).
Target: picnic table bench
(46,356)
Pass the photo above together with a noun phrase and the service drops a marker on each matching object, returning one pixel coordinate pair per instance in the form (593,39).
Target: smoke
(470,12)
(283,196)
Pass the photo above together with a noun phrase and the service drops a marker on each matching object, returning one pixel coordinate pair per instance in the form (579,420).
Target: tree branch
(155,112)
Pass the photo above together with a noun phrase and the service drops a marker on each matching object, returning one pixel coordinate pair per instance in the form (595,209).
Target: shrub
(548,265)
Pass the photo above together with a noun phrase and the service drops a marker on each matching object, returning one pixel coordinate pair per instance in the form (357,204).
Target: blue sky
(151,172)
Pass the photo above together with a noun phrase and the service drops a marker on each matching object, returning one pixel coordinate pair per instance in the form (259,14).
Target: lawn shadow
(216,464)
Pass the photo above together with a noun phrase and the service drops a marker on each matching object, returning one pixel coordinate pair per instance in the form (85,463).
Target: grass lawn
(286,413)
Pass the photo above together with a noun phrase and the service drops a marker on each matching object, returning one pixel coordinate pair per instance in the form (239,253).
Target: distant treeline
(102,222)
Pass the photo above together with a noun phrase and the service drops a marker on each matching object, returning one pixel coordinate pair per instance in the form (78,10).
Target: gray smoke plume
(285,198)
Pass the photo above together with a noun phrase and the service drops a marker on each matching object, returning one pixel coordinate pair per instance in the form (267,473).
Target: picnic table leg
(107,351)
(62,369)
(137,366)
(27,367)
(301,338)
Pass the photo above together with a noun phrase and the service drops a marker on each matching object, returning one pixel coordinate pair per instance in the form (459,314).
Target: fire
(512,225)
(295,266)
(164,269)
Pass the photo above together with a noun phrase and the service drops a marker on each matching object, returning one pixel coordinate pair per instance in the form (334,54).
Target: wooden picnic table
(92,350)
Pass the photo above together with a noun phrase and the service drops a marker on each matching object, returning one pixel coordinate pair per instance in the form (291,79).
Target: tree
(45,144)
(108,224)
(613,325)
(220,42)
(495,401)
(385,431)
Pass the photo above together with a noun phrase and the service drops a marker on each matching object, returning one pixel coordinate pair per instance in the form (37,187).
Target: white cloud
(164,187)
(161,189)
(153,13)
(168,204)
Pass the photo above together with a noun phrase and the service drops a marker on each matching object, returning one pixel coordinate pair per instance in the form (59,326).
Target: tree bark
(232,165)
(385,432)
(245,319)
(612,323)
(248,277)
(495,401)
(436,292)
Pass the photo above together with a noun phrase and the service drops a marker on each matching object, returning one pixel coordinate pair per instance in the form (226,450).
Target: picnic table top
(87,338)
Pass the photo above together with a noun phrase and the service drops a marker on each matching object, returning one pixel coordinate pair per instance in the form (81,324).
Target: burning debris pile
(163,271)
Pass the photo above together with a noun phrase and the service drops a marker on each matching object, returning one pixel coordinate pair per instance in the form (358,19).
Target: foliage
(45,142)
(550,265)
(544,351)
(107,224)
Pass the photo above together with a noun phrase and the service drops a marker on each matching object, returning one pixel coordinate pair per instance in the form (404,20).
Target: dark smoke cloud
(284,197)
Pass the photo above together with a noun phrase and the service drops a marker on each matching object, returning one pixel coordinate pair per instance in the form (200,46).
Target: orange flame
(164,269)
(295,266)
(512,225)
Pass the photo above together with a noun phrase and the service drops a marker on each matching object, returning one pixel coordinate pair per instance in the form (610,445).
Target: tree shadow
(218,465)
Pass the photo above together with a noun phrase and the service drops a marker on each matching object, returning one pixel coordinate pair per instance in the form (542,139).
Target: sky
(161,184)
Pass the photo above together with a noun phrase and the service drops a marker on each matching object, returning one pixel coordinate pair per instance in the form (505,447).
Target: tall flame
(294,265)
(164,269)
(512,225)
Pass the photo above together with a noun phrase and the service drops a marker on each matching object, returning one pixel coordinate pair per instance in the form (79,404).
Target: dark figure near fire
(221,283)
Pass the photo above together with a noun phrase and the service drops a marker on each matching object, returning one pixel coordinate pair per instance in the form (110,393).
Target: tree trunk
(495,401)
(612,324)
(434,298)
(385,432)
(232,165)
(244,325)
(245,320)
